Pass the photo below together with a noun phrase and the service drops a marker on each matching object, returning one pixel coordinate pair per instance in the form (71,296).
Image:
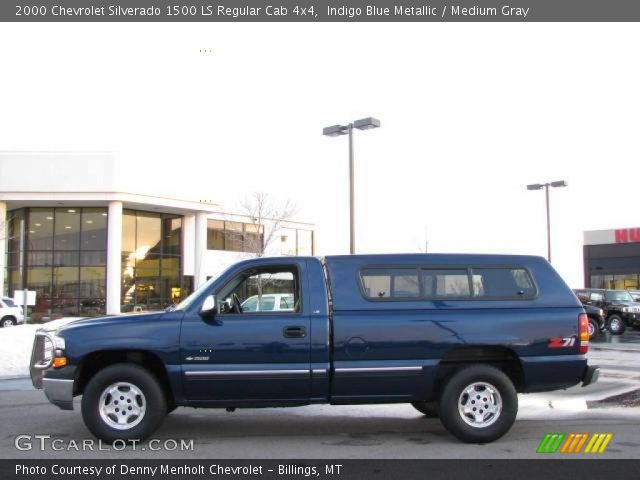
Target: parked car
(619,307)
(455,335)
(10,313)
(269,302)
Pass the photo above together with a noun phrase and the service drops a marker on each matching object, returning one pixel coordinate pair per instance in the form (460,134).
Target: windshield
(619,296)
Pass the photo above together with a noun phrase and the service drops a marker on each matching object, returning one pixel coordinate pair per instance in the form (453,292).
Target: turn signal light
(583,332)
(59,362)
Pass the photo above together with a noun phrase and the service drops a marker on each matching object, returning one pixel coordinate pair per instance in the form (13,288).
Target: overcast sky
(470,114)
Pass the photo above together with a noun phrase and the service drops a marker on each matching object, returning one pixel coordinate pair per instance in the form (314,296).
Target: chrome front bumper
(59,392)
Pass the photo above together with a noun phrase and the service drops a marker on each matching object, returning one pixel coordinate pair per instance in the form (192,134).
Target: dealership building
(612,258)
(71,231)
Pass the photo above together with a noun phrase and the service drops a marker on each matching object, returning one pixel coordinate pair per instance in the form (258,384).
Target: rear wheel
(123,401)
(478,404)
(428,409)
(616,325)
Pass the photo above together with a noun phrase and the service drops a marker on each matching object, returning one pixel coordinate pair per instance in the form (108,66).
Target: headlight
(59,342)
(601,312)
(52,343)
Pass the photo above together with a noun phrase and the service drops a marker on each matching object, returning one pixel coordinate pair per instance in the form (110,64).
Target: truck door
(252,350)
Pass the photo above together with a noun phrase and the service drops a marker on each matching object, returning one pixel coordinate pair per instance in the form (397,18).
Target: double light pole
(546,186)
(335,131)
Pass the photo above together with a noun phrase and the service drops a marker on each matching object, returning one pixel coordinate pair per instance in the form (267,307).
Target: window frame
(534,285)
(467,267)
(285,267)
(361,284)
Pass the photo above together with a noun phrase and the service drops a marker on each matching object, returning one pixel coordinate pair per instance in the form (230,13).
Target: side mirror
(208,306)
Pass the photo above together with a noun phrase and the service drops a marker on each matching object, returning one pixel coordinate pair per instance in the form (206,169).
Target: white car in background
(10,313)
(270,302)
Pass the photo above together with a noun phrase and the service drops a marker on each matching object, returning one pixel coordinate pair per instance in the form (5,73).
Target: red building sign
(628,235)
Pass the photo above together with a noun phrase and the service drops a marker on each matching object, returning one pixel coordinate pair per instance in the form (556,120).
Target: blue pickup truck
(456,336)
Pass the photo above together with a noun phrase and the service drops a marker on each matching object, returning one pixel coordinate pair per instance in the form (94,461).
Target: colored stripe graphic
(574,442)
(550,443)
(598,443)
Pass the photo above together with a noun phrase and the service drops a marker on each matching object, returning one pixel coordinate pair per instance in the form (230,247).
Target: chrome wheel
(480,404)
(615,325)
(592,329)
(7,323)
(122,405)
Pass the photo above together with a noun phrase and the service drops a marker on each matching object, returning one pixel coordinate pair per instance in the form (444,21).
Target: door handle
(294,332)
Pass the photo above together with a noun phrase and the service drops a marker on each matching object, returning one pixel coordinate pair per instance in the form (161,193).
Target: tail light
(583,332)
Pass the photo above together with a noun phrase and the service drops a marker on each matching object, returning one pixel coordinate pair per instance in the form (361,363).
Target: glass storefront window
(172,235)
(92,282)
(151,268)
(65,259)
(233,236)
(128,231)
(253,238)
(215,235)
(61,244)
(148,234)
(15,222)
(66,229)
(94,229)
(40,229)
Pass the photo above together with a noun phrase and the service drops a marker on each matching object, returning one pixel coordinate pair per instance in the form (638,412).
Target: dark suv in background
(620,309)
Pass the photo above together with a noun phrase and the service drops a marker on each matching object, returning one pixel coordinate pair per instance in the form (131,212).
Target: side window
(582,295)
(597,297)
(502,283)
(390,282)
(443,283)
(256,291)
(8,302)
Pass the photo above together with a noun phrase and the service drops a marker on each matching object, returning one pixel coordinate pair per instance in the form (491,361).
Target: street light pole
(352,219)
(546,194)
(334,131)
(546,186)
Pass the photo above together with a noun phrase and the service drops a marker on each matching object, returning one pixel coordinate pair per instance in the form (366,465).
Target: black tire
(616,325)
(496,425)
(8,322)
(594,329)
(155,402)
(428,409)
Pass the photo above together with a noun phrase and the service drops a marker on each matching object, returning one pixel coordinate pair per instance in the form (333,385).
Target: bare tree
(267,218)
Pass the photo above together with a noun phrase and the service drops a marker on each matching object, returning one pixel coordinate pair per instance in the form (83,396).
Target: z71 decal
(562,342)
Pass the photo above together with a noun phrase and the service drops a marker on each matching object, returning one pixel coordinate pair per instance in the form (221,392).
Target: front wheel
(616,325)
(478,404)
(8,322)
(123,401)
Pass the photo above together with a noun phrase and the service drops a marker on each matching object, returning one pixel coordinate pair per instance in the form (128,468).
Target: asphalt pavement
(320,431)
